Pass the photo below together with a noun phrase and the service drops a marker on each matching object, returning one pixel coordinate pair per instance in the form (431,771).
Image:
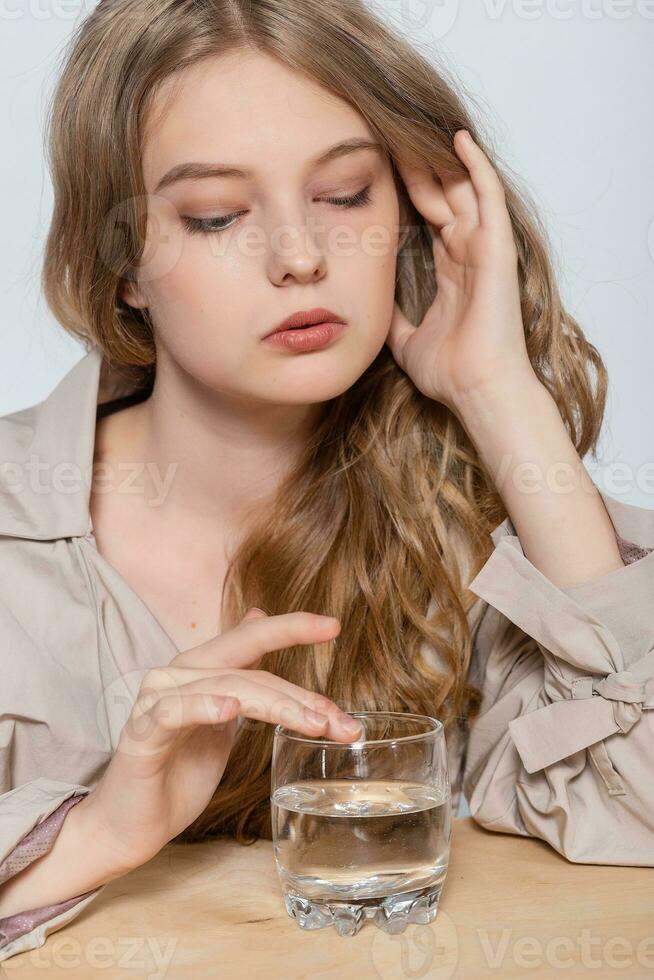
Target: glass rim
(437,728)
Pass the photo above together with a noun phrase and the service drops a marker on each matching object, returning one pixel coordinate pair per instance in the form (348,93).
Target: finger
(167,679)
(154,727)
(488,187)
(461,198)
(426,191)
(245,644)
(399,332)
(276,705)
(254,613)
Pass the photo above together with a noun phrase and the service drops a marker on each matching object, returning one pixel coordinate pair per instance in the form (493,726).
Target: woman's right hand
(174,747)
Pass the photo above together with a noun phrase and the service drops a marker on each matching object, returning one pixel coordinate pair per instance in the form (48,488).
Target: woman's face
(214,294)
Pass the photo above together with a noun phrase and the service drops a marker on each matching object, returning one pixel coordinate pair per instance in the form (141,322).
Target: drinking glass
(361,830)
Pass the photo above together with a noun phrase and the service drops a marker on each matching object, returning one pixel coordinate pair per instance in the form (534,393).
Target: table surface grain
(511,907)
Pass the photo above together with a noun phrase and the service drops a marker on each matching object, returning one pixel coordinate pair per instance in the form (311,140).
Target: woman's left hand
(472,336)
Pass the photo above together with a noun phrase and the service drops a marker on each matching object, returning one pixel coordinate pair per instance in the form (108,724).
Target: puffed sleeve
(31,816)
(562,748)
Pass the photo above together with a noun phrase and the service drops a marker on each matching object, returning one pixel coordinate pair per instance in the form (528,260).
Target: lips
(307,318)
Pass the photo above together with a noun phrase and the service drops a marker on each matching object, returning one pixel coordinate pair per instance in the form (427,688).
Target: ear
(131,294)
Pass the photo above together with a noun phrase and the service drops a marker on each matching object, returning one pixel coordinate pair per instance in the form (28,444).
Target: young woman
(413,470)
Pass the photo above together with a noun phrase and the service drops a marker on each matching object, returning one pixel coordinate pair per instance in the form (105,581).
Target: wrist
(77,862)
(89,827)
(487,404)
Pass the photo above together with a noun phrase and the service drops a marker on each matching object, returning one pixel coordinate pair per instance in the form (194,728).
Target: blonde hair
(389,507)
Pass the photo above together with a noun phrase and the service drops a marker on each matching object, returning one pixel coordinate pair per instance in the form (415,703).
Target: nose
(295,255)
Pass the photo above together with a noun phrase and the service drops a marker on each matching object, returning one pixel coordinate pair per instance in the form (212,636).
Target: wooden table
(510,907)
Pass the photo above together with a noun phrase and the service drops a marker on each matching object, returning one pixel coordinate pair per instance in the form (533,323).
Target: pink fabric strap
(36,843)
(630,552)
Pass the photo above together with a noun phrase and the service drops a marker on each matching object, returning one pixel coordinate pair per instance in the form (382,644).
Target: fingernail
(351,725)
(314,717)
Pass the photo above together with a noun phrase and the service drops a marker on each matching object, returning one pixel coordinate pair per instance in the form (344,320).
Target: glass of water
(361,830)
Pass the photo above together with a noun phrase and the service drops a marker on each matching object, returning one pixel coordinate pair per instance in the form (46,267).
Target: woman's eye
(210,224)
(355,201)
(214,225)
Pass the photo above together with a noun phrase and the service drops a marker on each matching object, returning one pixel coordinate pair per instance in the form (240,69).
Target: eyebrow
(197,171)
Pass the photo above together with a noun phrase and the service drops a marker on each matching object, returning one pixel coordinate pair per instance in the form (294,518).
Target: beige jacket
(562,749)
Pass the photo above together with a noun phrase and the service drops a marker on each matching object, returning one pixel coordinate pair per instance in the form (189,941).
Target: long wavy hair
(387,514)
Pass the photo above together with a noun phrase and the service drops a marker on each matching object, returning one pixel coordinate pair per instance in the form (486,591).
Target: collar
(47,452)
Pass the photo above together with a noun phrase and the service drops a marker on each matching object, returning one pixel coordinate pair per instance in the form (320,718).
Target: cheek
(177,266)
(378,296)
(195,282)
(373,268)
(197,305)
(378,237)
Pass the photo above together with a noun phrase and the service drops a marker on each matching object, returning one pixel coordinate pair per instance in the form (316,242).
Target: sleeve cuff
(37,841)
(32,846)
(598,679)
